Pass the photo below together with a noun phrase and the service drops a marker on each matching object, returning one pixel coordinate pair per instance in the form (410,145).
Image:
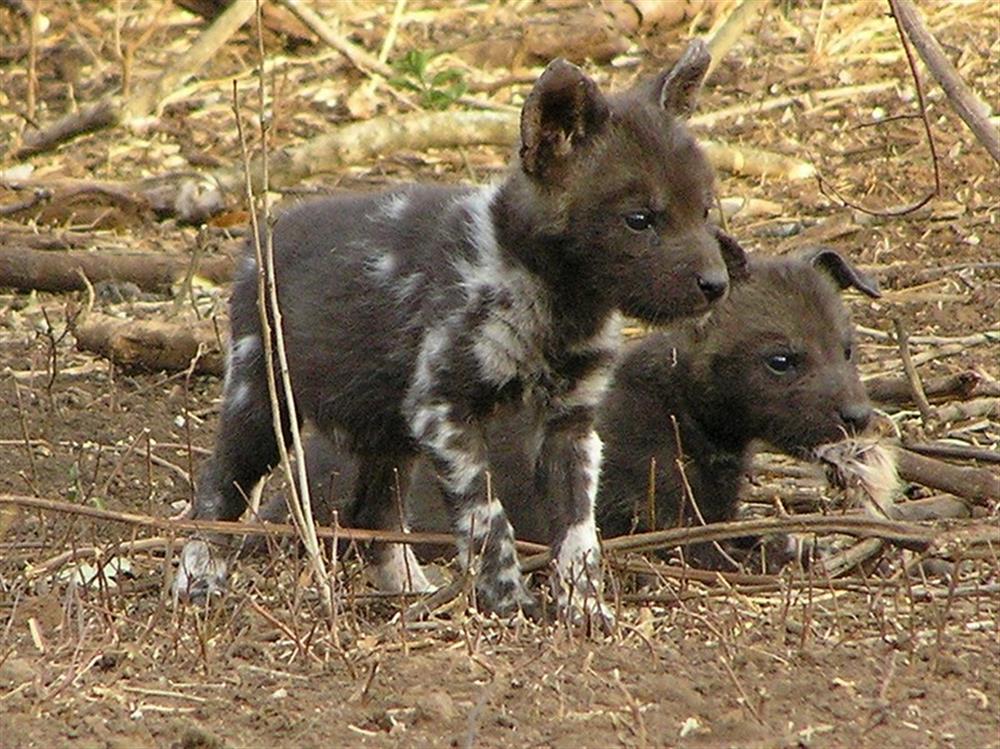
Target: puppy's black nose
(856,416)
(713,284)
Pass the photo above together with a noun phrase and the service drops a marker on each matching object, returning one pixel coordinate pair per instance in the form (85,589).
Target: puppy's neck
(581,303)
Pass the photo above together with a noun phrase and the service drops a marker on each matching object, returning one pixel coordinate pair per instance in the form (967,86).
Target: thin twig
(902,210)
(917,388)
(357,56)
(969,107)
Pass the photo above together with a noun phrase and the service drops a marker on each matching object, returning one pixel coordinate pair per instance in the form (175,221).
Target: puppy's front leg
(483,535)
(568,470)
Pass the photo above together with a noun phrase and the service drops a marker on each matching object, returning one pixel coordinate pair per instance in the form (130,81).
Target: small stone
(949,665)
(436,706)
(15,671)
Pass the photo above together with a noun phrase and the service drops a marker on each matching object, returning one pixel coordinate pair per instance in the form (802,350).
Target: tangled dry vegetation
(110,380)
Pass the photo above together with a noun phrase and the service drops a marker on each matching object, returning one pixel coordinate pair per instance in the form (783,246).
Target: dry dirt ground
(887,658)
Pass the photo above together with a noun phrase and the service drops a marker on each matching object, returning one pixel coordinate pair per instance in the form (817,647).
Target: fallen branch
(837,564)
(710,119)
(955,452)
(908,535)
(973,409)
(933,508)
(276,19)
(897,390)
(978,485)
(754,162)
(359,142)
(357,56)
(973,111)
(975,339)
(50,270)
(731,30)
(916,386)
(110,111)
(89,119)
(151,344)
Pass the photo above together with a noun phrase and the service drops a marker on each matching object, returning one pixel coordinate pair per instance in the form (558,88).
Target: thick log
(51,270)
(151,344)
(977,485)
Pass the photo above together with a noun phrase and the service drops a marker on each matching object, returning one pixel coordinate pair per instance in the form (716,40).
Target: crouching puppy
(773,364)
(412,316)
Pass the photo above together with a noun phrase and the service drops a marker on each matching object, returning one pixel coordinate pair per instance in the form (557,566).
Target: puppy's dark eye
(848,353)
(705,216)
(780,363)
(639,220)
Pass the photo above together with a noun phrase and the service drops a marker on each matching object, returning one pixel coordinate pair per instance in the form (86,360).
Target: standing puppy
(410,317)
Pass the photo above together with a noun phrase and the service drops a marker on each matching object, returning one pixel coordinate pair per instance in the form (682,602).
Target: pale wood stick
(977,485)
(731,29)
(916,387)
(975,339)
(208,43)
(709,119)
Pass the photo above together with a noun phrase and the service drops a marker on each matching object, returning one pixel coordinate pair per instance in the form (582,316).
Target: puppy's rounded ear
(734,256)
(842,271)
(677,89)
(564,110)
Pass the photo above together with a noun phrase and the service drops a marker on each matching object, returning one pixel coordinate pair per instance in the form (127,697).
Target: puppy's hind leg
(379,495)
(245,450)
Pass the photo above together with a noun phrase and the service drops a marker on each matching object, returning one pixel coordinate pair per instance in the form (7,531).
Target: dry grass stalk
(267,297)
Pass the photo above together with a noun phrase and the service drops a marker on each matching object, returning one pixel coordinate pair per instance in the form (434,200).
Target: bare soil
(893,661)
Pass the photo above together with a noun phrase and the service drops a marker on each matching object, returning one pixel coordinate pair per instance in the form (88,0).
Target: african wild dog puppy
(773,363)
(411,316)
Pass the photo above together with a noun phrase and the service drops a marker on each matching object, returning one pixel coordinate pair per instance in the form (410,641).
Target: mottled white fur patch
(406,286)
(432,425)
(594,447)
(381,266)
(394,205)
(431,350)
(479,518)
(589,390)
(238,396)
(240,350)
(608,338)
(577,583)
(508,342)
